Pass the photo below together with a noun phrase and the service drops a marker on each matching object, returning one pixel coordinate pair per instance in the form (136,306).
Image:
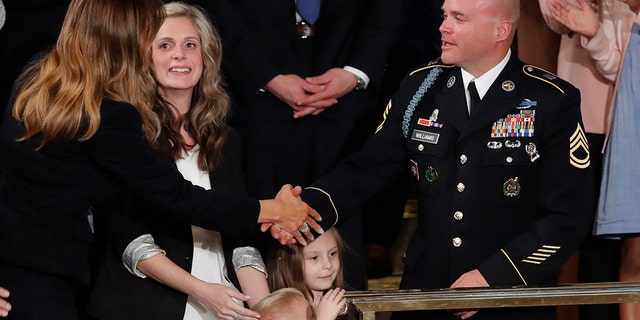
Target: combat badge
(579,155)
(511,187)
(431,174)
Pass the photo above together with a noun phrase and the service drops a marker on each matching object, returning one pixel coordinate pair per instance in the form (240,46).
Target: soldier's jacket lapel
(501,98)
(452,102)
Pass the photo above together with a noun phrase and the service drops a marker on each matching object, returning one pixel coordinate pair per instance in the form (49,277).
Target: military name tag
(424,136)
(515,125)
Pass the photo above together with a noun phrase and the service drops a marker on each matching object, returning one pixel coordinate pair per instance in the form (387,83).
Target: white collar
(485,81)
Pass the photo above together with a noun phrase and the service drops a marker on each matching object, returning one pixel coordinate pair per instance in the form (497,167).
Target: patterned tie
(309,10)
(474,98)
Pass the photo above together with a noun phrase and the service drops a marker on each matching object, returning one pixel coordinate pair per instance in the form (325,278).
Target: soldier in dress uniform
(504,183)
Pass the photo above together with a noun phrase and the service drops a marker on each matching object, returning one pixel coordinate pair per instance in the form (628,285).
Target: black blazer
(45,195)
(117,294)
(514,207)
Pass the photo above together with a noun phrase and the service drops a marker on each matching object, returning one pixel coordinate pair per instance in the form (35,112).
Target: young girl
(315,270)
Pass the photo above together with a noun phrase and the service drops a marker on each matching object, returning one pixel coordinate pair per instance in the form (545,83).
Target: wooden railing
(367,303)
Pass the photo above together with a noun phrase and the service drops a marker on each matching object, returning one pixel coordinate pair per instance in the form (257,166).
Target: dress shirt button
(509,159)
(463,159)
(460,187)
(420,147)
(458,215)
(457,242)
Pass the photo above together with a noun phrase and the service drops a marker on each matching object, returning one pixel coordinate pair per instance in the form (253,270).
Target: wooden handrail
(367,303)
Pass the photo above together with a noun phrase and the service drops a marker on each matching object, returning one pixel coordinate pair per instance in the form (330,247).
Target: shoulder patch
(545,76)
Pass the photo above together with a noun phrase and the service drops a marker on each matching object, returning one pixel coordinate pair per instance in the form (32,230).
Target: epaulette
(431,64)
(547,77)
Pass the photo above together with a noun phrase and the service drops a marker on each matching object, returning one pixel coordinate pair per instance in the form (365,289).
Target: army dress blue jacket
(507,191)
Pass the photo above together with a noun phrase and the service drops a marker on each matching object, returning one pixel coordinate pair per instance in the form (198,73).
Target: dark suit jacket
(45,195)
(260,42)
(117,294)
(487,199)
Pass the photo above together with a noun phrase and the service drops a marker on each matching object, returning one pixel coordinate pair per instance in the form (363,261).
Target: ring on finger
(304,228)
(236,316)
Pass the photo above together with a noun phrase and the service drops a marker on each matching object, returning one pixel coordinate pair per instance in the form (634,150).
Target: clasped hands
(312,95)
(288,218)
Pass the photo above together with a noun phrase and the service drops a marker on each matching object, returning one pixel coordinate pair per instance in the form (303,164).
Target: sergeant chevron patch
(541,255)
(579,155)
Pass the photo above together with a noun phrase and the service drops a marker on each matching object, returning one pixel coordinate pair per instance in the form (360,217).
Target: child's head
(285,304)
(314,268)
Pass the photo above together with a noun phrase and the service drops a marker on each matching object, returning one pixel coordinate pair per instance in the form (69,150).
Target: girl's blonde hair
(275,305)
(101,53)
(285,267)
(206,120)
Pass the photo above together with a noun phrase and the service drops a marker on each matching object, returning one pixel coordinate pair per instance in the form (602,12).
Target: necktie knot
(309,10)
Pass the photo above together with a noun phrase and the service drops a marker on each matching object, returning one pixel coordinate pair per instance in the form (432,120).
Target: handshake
(288,218)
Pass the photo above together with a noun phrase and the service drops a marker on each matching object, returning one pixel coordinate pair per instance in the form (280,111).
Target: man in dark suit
(305,92)
(502,172)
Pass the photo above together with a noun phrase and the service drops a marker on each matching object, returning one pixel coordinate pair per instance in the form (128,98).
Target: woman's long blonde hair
(206,120)
(102,52)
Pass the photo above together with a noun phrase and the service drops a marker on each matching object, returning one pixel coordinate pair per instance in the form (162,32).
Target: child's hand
(330,304)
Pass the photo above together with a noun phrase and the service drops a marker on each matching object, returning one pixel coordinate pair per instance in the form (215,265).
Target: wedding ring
(236,316)
(305,228)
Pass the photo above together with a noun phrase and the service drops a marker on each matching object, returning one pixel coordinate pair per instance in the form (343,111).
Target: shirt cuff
(141,248)
(248,257)
(360,74)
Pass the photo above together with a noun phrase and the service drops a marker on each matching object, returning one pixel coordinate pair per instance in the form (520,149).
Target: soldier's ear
(503,31)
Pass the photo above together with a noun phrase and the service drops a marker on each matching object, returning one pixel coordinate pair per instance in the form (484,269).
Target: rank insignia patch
(515,125)
(579,155)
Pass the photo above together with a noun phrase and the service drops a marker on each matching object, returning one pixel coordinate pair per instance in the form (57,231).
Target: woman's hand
(219,299)
(290,215)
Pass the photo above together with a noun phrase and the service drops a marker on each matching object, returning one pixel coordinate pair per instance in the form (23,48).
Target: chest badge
(431,174)
(511,187)
(432,121)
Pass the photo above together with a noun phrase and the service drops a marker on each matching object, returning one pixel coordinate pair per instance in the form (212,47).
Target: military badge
(431,174)
(512,144)
(508,86)
(432,121)
(511,187)
(494,145)
(451,82)
(532,151)
(527,103)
